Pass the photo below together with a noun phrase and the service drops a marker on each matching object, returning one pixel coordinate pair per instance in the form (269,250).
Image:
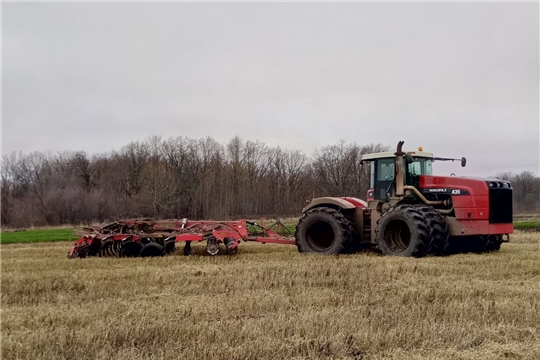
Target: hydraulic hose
(429,202)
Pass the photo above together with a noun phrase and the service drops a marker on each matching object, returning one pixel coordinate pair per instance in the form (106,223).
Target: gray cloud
(457,79)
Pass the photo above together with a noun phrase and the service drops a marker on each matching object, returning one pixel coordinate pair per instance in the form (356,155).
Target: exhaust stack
(399,169)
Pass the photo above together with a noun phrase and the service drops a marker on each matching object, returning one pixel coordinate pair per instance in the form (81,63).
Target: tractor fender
(342,203)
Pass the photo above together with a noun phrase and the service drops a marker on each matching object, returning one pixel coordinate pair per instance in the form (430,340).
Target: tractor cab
(383,171)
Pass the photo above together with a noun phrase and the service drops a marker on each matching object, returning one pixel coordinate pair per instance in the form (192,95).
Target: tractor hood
(474,198)
(455,185)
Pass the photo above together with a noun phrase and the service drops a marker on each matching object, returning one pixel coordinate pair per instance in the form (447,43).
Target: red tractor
(410,212)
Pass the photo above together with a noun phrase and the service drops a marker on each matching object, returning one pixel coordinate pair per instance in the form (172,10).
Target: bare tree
(338,171)
(130,163)
(85,170)
(526,191)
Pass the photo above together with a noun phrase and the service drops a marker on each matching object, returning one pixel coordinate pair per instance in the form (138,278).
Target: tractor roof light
(420,148)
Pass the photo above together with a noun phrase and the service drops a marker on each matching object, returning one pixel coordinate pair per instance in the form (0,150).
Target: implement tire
(130,249)
(412,230)
(324,231)
(152,249)
(169,246)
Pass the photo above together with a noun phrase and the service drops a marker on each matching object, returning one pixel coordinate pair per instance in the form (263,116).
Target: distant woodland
(194,178)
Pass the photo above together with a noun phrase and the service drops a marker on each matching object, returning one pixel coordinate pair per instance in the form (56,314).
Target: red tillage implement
(130,238)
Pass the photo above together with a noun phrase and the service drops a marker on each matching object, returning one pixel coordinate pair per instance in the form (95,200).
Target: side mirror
(408,158)
(463,162)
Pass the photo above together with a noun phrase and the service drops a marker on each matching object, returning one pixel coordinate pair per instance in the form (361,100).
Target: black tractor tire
(130,249)
(412,230)
(152,249)
(440,233)
(354,244)
(493,242)
(467,244)
(476,244)
(324,231)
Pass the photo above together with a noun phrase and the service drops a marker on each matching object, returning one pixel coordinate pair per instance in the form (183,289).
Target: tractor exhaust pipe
(399,169)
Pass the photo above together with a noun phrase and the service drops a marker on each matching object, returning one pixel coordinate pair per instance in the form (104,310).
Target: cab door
(385,173)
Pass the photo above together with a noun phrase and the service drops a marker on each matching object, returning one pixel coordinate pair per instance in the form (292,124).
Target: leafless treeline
(526,194)
(174,178)
(183,177)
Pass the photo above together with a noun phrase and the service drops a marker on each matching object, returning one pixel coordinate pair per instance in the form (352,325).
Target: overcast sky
(459,79)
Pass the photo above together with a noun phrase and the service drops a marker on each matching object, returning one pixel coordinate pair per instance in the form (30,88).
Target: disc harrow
(146,238)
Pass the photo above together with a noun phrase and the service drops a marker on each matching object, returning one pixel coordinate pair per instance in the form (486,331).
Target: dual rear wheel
(404,230)
(412,230)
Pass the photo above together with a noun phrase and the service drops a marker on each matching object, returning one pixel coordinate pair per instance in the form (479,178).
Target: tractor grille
(500,204)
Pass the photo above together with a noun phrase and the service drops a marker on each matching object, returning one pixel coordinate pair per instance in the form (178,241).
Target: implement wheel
(130,249)
(169,246)
(412,230)
(152,249)
(324,231)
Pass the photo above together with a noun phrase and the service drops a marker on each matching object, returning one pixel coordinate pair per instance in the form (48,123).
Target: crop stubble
(270,302)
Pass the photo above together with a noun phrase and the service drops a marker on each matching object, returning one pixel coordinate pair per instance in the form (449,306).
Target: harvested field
(270,302)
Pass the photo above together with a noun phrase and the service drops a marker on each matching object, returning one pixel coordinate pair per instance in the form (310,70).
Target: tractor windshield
(420,166)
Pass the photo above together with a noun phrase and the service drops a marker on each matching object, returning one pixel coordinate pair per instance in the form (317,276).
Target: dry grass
(270,302)
(527,217)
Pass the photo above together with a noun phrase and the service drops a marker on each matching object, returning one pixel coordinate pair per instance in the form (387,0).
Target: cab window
(420,166)
(386,170)
(415,168)
(428,167)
